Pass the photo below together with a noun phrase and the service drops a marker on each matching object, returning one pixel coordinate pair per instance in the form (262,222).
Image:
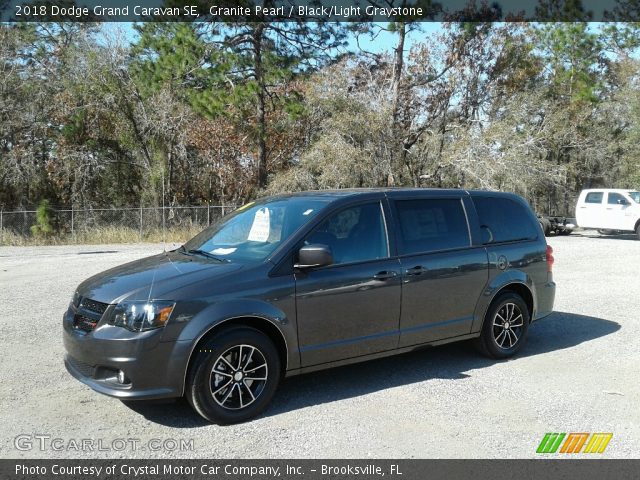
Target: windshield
(635,196)
(255,230)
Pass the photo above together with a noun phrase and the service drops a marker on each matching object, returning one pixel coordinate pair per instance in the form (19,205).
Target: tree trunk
(260,107)
(170,172)
(398,64)
(397,157)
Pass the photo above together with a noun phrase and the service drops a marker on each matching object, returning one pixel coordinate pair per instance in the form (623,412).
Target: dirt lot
(578,373)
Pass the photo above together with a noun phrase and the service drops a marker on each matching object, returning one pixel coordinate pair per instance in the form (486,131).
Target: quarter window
(593,197)
(431,224)
(356,234)
(505,220)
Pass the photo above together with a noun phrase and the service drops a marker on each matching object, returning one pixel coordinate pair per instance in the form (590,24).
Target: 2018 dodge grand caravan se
(296,283)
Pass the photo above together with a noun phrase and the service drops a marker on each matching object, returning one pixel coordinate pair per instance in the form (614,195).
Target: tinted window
(355,234)
(505,219)
(431,224)
(635,196)
(593,197)
(616,199)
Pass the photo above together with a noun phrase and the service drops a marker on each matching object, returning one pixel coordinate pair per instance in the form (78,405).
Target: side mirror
(623,201)
(315,255)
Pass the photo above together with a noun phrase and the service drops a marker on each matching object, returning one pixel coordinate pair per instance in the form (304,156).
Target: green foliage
(74,129)
(214,112)
(575,57)
(43,228)
(179,57)
(562,10)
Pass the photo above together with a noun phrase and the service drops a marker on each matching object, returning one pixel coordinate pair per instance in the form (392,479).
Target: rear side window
(431,224)
(505,219)
(593,197)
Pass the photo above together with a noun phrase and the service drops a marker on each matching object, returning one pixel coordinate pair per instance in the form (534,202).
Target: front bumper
(152,368)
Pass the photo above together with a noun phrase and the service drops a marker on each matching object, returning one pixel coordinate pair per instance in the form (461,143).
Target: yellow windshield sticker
(246,205)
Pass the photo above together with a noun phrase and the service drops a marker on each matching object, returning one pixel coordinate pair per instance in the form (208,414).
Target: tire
(248,370)
(546,226)
(507,309)
(638,231)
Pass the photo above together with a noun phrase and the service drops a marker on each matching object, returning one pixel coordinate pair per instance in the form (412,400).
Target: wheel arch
(514,284)
(262,324)
(522,290)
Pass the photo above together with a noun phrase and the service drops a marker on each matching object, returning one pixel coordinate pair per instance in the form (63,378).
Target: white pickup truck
(609,210)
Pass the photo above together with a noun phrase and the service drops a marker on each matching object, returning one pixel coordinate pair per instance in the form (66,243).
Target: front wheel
(638,231)
(505,326)
(233,376)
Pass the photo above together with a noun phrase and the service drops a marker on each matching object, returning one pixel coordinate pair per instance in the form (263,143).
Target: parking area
(577,373)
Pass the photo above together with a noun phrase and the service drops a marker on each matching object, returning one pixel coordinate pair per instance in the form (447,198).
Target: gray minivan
(302,282)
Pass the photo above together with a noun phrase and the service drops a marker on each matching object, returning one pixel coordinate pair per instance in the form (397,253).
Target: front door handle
(417,270)
(385,275)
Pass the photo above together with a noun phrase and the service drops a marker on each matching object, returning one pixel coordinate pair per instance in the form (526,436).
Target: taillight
(550,258)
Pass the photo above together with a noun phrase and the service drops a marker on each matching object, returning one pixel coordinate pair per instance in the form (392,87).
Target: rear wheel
(505,326)
(234,376)
(546,226)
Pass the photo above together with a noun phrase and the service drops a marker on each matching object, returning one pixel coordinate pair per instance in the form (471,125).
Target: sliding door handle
(417,270)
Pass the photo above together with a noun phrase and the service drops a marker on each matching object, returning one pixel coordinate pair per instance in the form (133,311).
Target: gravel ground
(577,373)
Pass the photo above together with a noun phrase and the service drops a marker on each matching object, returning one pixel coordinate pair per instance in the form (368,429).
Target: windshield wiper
(208,255)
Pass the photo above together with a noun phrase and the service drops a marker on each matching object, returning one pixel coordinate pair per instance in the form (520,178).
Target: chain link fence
(106,225)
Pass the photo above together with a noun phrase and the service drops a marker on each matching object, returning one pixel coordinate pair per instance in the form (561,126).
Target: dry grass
(110,234)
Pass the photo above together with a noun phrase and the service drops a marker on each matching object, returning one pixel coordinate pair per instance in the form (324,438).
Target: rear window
(505,219)
(431,224)
(593,197)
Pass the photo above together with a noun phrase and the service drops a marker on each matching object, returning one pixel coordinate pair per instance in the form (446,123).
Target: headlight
(75,300)
(141,316)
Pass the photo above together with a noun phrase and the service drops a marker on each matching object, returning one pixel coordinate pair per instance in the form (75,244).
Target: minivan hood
(153,277)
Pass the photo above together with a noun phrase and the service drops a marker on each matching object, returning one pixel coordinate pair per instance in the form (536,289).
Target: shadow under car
(558,331)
